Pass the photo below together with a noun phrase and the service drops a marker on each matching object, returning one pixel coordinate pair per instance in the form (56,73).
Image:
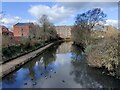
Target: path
(10,66)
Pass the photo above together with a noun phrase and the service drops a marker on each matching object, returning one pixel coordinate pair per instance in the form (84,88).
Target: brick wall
(20,31)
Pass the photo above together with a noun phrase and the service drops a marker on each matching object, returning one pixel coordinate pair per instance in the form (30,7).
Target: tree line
(41,32)
(100,45)
(84,24)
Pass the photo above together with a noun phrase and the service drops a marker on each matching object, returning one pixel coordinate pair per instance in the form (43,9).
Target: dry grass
(104,53)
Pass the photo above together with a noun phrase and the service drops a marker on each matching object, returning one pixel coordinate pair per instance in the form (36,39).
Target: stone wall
(64,31)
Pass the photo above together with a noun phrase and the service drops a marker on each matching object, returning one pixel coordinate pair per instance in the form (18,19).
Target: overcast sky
(59,13)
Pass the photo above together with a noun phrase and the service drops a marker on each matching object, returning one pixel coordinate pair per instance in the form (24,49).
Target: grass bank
(12,52)
(103,53)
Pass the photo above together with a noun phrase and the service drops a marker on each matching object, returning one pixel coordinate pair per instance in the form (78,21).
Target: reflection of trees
(10,79)
(86,76)
(80,68)
(49,55)
(30,67)
(76,53)
(103,79)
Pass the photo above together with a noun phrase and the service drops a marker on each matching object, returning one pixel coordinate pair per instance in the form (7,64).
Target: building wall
(20,31)
(64,31)
(26,31)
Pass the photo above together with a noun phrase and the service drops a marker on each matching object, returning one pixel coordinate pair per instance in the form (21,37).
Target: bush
(104,53)
(11,51)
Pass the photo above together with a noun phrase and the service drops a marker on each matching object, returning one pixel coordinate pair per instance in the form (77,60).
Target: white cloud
(112,22)
(89,5)
(16,17)
(60,0)
(61,13)
(87,0)
(10,21)
(56,14)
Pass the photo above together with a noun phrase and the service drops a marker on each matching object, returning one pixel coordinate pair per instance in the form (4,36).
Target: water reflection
(64,48)
(33,69)
(60,66)
(87,76)
(11,79)
(42,64)
(79,69)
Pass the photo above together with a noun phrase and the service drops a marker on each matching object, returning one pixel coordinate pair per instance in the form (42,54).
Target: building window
(22,34)
(22,31)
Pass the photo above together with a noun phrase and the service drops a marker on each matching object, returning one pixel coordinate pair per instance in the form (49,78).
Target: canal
(60,66)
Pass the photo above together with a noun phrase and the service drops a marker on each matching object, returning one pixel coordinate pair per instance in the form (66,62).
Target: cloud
(87,1)
(89,5)
(112,23)
(55,13)
(60,0)
(10,21)
(63,13)
(16,17)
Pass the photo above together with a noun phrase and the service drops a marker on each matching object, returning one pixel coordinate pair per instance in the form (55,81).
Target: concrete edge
(10,70)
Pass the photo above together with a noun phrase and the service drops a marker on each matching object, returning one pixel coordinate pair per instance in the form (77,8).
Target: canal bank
(104,55)
(16,63)
(60,66)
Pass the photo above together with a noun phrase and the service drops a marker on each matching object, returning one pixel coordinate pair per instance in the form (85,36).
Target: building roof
(5,30)
(22,24)
(3,27)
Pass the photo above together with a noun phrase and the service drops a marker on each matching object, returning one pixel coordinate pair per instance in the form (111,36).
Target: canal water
(60,66)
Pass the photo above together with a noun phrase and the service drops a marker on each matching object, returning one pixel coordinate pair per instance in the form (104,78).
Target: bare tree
(47,27)
(43,21)
(84,23)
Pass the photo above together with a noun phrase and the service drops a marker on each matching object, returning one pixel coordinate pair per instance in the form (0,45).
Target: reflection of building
(64,31)
(64,47)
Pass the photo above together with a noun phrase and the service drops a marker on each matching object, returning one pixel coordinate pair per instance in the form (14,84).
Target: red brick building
(7,36)
(4,30)
(22,29)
